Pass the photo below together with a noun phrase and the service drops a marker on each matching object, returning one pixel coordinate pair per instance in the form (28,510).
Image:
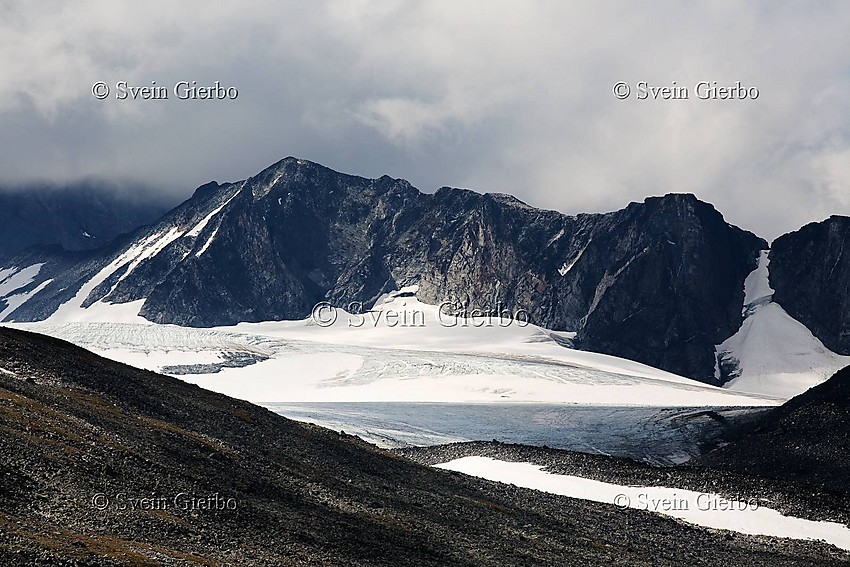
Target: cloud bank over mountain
(495,96)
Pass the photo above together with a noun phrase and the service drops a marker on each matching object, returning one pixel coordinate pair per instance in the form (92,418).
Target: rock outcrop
(810,273)
(805,440)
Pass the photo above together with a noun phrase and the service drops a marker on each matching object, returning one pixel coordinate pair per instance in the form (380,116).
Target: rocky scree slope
(806,440)
(75,426)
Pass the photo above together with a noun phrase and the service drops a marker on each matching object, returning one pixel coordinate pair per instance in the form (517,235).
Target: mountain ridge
(659,281)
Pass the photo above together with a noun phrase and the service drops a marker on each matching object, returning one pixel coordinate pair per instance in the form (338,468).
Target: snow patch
(623,268)
(206,245)
(391,297)
(757,285)
(693,507)
(161,241)
(555,238)
(772,353)
(13,279)
(198,228)
(13,302)
(777,355)
(72,310)
(565,268)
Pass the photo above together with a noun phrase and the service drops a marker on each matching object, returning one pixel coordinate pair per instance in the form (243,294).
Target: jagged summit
(682,202)
(509,200)
(205,190)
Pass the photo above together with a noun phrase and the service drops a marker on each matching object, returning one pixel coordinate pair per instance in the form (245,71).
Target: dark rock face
(660,282)
(77,217)
(810,273)
(805,440)
(672,287)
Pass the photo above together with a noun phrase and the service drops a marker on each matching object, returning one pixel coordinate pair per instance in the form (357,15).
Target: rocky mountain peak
(660,282)
(205,190)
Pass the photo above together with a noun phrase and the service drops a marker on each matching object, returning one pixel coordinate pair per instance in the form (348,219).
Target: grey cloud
(496,96)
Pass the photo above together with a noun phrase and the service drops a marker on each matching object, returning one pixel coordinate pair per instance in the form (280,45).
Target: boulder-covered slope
(806,440)
(104,464)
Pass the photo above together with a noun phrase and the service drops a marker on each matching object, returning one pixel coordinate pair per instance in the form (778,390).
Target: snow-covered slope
(406,350)
(402,350)
(113,283)
(12,279)
(772,353)
(16,288)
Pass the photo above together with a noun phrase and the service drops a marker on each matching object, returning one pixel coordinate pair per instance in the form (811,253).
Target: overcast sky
(512,97)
